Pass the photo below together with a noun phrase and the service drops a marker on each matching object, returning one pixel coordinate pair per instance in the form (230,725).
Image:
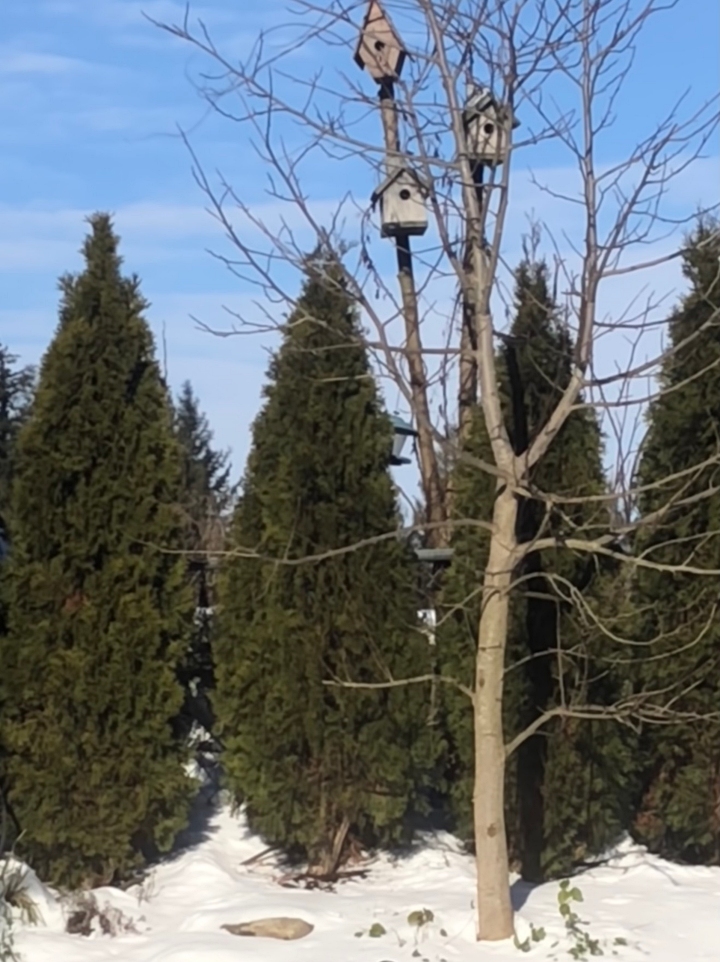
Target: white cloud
(133,13)
(29,62)
(33,238)
(35,255)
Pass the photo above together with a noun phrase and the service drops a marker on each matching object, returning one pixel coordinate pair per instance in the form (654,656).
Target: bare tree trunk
(494,908)
(468,381)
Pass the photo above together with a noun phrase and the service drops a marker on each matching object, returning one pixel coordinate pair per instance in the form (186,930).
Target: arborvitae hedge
(680,806)
(99,611)
(548,827)
(16,386)
(313,759)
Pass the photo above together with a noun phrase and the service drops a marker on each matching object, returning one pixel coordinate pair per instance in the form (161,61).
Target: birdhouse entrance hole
(380,50)
(405,194)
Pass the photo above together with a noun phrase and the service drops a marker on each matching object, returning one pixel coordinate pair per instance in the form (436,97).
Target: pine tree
(99,611)
(206,498)
(206,472)
(548,829)
(316,763)
(680,808)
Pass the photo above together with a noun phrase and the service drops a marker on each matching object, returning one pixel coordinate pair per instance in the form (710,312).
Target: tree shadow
(520,893)
(199,829)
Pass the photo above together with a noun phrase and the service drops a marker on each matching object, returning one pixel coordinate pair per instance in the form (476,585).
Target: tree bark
(494,908)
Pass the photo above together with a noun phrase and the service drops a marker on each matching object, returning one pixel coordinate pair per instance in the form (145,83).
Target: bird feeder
(402,203)
(380,50)
(401,432)
(487,128)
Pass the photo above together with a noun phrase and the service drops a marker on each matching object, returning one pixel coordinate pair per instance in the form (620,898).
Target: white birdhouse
(487,128)
(402,203)
(379,50)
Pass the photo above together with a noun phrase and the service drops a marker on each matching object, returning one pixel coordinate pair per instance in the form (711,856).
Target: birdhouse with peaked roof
(402,203)
(487,128)
(380,50)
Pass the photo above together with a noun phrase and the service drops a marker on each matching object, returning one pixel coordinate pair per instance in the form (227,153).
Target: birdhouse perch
(379,50)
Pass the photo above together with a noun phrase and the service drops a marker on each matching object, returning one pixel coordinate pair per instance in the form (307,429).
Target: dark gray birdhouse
(379,50)
(487,128)
(402,203)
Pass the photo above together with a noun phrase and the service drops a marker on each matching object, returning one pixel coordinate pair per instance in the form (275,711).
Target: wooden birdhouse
(379,50)
(402,203)
(487,128)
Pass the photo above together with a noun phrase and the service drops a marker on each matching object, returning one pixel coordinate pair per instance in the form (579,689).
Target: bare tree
(560,67)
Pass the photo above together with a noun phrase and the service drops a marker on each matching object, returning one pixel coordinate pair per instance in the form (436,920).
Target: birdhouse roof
(482,102)
(406,173)
(400,426)
(377,25)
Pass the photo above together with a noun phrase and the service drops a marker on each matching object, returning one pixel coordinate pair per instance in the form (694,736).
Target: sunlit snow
(636,906)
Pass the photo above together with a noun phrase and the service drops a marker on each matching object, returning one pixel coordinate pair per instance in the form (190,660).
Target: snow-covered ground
(636,906)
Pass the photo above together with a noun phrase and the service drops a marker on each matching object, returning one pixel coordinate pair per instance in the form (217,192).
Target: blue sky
(91,96)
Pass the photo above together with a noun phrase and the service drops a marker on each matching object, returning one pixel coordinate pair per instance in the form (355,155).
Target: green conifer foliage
(206,473)
(16,385)
(680,810)
(548,828)
(206,498)
(312,760)
(99,613)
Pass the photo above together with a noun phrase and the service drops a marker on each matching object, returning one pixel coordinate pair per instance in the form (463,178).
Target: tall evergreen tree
(206,472)
(318,764)
(548,829)
(16,386)
(99,611)
(680,808)
(206,498)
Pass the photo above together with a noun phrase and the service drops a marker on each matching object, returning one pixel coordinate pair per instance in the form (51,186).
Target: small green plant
(583,946)
(10,878)
(376,931)
(420,917)
(536,935)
